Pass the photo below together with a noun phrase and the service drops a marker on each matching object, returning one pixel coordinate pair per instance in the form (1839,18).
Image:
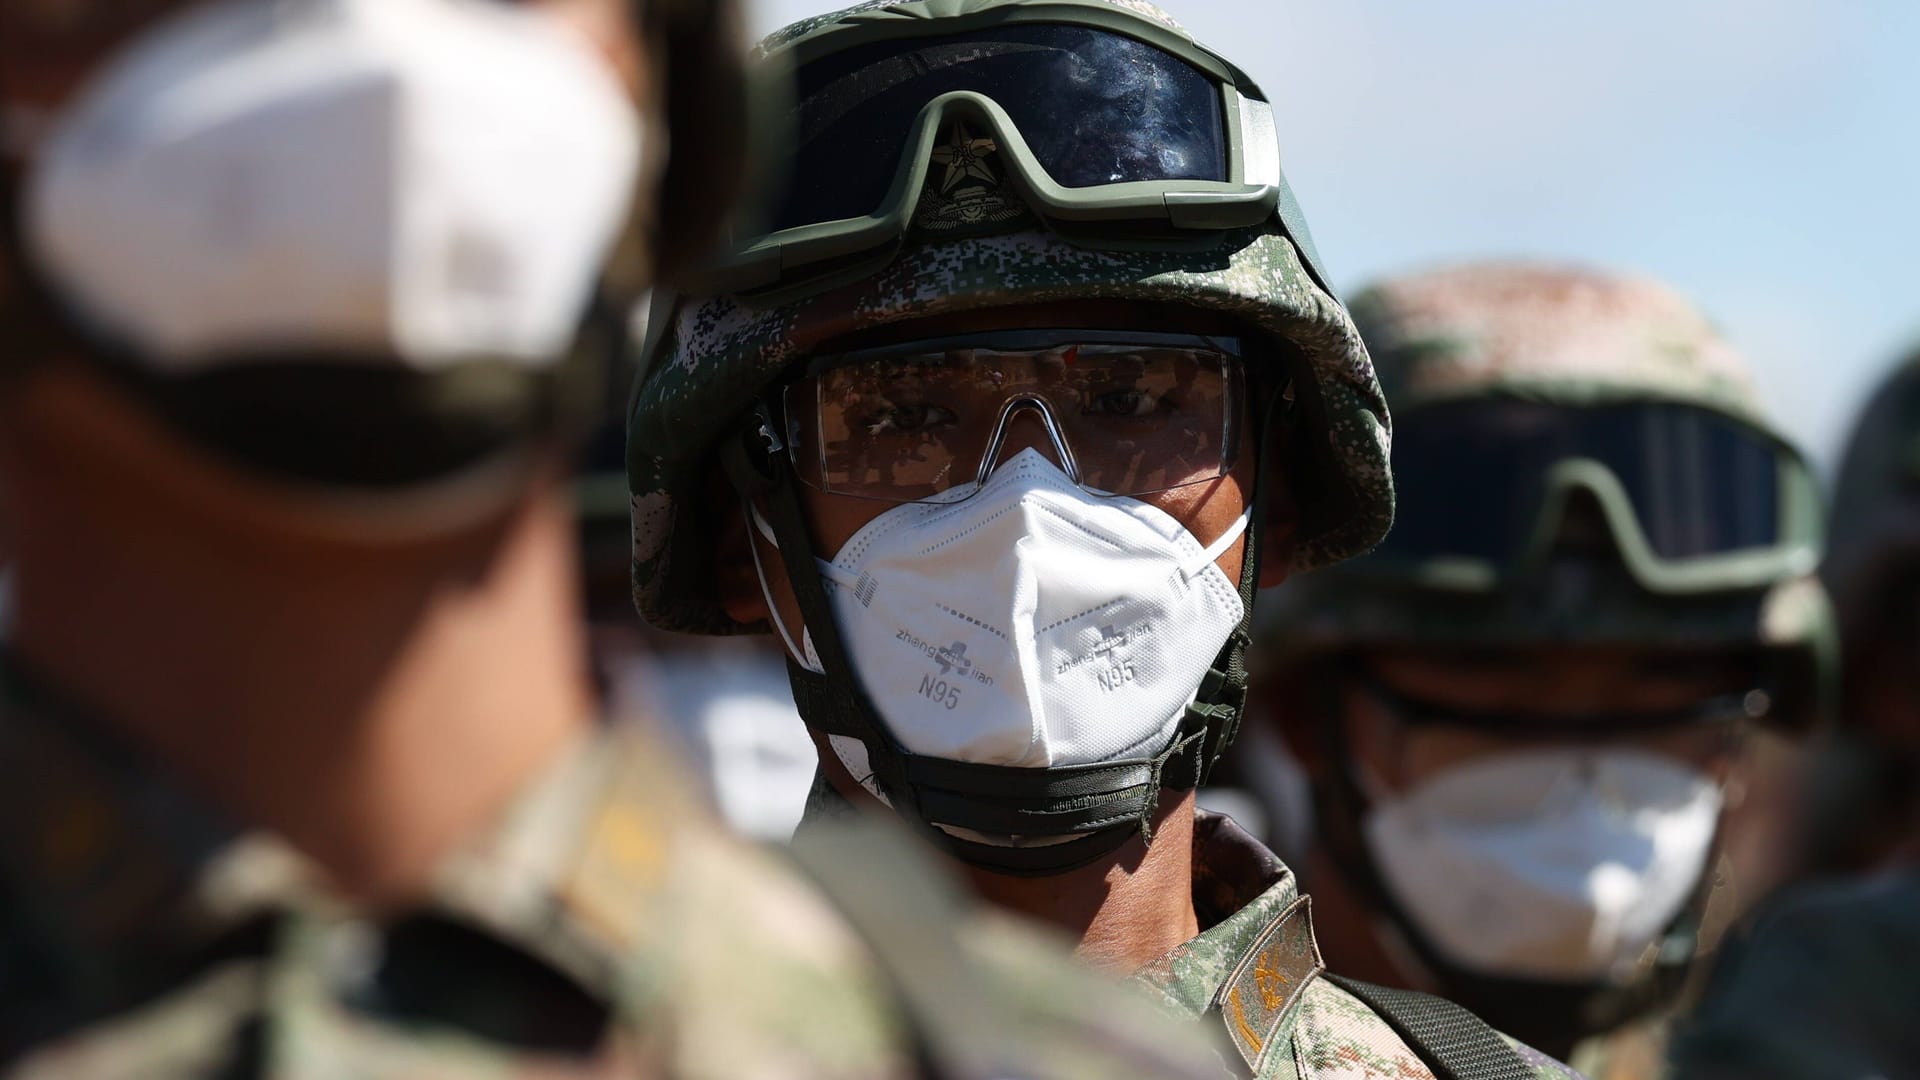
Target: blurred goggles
(1124,414)
(1694,499)
(1725,712)
(1138,133)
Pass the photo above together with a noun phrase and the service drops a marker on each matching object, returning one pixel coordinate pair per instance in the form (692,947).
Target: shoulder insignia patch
(616,882)
(1260,995)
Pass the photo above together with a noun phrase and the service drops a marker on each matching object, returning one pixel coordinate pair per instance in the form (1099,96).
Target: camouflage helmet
(1875,545)
(1570,337)
(712,357)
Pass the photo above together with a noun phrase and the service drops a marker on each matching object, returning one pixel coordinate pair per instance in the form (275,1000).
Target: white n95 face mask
(1558,864)
(1028,623)
(431,180)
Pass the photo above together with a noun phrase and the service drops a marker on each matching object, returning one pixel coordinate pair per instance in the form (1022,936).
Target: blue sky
(1763,156)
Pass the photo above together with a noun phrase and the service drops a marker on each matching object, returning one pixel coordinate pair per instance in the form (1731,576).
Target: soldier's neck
(1126,910)
(374,706)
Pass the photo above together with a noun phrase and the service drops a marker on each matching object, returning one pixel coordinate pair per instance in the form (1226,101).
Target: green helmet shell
(711,358)
(1577,338)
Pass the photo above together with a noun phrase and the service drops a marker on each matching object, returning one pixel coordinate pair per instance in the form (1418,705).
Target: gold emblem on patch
(1260,994)
(965,188)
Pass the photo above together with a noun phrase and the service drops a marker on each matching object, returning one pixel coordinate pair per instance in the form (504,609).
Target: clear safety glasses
(1124,413)
(1693,497)
(1093,123)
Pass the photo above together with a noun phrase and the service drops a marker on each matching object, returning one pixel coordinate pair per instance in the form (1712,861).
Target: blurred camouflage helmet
(1875,548)
(712,357)
(1579,562)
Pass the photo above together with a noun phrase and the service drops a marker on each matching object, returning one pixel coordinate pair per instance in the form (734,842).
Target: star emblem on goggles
(965,157)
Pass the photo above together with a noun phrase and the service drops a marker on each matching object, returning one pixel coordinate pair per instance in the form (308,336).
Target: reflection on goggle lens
(907,424)
(1469,478)
(1095,108)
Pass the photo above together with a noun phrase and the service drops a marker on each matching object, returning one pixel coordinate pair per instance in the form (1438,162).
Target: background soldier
(1527,715)
(299,770)
(1044,465)
(1822,983)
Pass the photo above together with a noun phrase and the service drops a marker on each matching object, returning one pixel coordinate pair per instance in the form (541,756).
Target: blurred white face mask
(1029,623)
(1557,864)
(436,180)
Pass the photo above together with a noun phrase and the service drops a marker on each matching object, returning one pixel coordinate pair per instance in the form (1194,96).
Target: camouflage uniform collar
(1256,957)
(113,878)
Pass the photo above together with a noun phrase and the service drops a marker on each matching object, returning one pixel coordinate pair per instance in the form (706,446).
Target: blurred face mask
(1555,864)
(429,180)
(1025,622)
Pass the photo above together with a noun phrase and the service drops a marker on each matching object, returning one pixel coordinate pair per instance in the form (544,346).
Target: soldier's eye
(911,417)
(1130,403)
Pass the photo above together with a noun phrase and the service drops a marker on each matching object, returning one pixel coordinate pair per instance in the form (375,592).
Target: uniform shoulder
(1338,1035)
(715,948)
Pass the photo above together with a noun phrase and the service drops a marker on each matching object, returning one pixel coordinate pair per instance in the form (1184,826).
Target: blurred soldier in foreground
(299,774)
(1526,715)
(725,698)
(1821,985)
(1005,490)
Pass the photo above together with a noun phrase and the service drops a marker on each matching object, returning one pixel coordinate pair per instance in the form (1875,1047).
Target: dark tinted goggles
(1094,107)
(1110,132)
(1471,478)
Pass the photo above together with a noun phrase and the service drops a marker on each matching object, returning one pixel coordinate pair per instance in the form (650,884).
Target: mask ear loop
(1212,552)
(805,657)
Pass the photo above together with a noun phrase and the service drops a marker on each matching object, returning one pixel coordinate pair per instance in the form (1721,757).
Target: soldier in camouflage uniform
(1541,688)
(1821,984)
(299,769)
(1085,245)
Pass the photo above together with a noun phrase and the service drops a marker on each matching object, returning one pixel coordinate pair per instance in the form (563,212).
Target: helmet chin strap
(1078,814)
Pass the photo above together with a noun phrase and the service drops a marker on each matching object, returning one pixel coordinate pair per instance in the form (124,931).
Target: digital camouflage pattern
(1565,336)
(1820,985)
(1255,971)
(720,354)
(604,927)
(717,355)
